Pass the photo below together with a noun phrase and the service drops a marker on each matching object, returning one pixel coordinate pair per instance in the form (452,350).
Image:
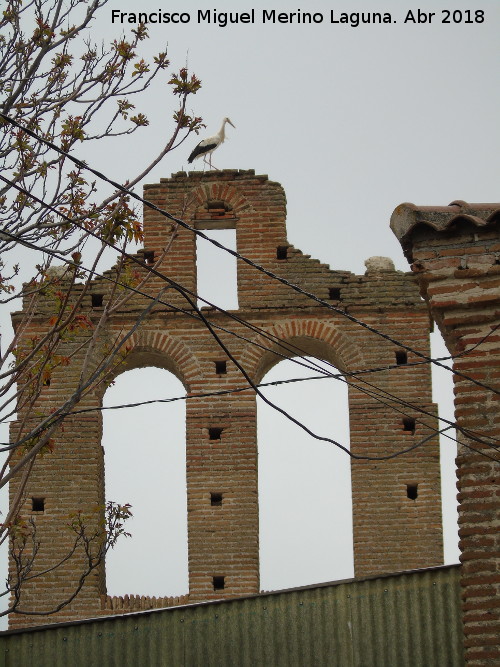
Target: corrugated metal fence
(410,619)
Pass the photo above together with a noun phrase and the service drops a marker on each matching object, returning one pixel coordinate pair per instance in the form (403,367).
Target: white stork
(207,146)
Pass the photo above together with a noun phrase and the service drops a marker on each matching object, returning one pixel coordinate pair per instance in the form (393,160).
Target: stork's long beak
(230,123)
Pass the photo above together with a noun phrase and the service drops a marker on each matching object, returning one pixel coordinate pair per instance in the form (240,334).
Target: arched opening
(442,390)
(145,465)
(216,269)
(304,484)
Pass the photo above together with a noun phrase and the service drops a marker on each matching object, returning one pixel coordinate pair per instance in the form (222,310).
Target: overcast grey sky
(352,121)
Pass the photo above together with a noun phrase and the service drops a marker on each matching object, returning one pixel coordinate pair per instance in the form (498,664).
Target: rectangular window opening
(38,504)
(216,499)
(409,424)
(282,252)
(218,583)
(214,433)
(216,270)
(401,357)
(220,367)
(97,300)
(412,491)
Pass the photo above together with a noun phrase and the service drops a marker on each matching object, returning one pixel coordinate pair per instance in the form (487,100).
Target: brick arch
(319,339)
(153,348)
(154,436)
(227,464)
(219,191)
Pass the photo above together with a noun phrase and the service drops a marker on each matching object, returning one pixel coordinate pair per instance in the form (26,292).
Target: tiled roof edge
(407,217)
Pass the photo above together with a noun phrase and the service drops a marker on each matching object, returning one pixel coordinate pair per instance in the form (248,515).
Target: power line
(224,392)
(200,316)
(186,294)
(210,325)
(248,261)
(292,348)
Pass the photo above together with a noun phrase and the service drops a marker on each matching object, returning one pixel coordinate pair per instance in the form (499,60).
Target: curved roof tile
(407,217)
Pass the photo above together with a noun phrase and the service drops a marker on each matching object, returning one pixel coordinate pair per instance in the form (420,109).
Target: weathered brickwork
(396,503)
(455,254)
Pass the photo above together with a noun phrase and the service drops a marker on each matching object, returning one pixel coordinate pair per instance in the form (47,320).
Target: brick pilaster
(455,254)
(396,503)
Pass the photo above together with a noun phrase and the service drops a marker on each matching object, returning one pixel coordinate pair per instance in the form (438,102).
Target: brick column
(455,253)
(396,503)
(223,523)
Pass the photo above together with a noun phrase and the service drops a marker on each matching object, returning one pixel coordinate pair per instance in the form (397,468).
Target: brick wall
(455,254)
(396,503)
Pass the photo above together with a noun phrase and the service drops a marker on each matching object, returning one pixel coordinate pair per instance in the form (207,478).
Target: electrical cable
(340,376)
(185,292)
(182,290)
(85,166)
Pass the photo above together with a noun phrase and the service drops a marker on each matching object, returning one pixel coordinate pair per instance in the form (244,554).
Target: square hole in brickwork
(282,252)
(46,382)
(412,491)
(216,499)
(38,504)
(218,207)
(97,300)
(149,256)
(334,293)
(220,367)
(409,424)
(401,357)
(214,433)
(218,583)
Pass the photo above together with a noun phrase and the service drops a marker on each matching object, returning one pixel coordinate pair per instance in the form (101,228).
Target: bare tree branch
(58,84)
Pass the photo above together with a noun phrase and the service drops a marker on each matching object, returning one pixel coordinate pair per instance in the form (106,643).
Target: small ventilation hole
(401,357)
(149,256)
(214,433)
(412,491)
(409,424)
(97,300)
(220,367)
(282,252)
(217,205)
(38,504)
(216,499)
(334,293)
(218,583)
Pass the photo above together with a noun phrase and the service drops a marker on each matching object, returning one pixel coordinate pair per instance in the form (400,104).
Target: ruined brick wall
(455,254)
(396,503)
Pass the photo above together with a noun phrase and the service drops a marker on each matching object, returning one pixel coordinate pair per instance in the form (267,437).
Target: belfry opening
(221,357)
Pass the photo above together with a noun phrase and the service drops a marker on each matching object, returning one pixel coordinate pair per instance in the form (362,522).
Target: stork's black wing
(200,149)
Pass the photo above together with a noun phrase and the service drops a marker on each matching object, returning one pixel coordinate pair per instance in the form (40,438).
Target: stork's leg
(211,165)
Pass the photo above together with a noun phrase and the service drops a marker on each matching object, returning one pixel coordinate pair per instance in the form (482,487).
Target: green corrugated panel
(405,620)
(409,620)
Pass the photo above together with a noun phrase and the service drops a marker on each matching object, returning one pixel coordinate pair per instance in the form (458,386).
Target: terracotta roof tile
(407,217)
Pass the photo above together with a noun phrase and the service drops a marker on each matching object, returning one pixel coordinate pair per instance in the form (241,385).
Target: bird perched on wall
(207,146)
